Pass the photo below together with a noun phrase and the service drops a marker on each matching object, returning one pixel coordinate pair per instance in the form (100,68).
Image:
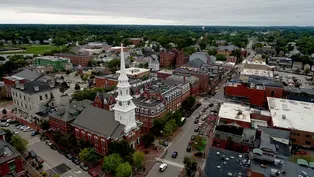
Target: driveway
(55,163)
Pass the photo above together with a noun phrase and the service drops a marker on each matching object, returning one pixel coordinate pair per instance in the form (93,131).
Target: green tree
(4,111)
(188,104)
(190,165)
(221,57)
(113,65)
(56,176)
(111,162)
(170,127)
(307,70)
(19,143)
(121,147)
(199,143)
(148,139)
(88,155)
(77,86)
(158,126)
(212,52)
(124,170)
(45,125)
(138,159)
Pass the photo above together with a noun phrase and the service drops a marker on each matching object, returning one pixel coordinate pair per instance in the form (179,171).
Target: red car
(39,160)
(92,173)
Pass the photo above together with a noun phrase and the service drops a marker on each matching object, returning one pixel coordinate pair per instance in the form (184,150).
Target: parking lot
(54,162)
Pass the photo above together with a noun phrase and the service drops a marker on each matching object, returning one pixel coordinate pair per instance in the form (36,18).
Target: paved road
(179,144)
(55,163)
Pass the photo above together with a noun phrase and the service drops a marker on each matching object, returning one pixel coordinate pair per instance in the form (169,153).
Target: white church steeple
(124,109)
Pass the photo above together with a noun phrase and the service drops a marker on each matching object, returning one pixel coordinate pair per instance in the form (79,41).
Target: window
(272,93)
(24,97)
(83,135)
(293,140)
(308,142)
(120,103)
(40,98)
(308,136)
(298,134)
(12,165)
(29,99)
(89,137)
(77,133)
(46,96)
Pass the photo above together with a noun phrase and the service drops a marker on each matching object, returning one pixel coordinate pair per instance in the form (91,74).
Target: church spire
(123,76)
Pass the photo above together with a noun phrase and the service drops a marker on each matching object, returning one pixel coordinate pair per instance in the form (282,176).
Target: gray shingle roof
(29,87)
(68,111)
(99,121)
(28,75)
(196,63)
(175,79)
(228,47)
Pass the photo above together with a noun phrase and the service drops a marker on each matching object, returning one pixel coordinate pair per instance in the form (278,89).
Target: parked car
(3,120)
(76,161)
(34,133)
(39,159)
(84,167)
(62,152)
(68,156)
(54,147)
(174,154)
(92,173)
(163,167)
(188,149)
(9,120)
(18,126)
(4,124)
(196,121)
(28,129)
(32,154)
(196,129)
(15,132)
(210,105)
(165,143)
(198,154)
(193,137)
(48,143)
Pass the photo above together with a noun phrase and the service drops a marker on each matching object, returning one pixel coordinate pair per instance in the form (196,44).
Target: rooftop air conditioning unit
(36,88)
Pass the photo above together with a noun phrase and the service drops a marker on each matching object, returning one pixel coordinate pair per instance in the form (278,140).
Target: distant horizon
(149,12)
(301,26)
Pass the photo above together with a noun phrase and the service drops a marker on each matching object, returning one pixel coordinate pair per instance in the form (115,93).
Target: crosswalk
(170,162)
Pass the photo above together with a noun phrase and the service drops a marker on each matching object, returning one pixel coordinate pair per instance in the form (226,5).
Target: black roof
(29,87)
(99,121)
(28,75)
(223,163)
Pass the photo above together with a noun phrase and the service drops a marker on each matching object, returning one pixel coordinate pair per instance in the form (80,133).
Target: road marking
(49,167)
(170,163)
(31,143)
(192,122)
(36,138)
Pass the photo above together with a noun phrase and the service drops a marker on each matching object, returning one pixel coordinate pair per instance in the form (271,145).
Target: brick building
(226,50)
(105,100)
(61,118)
(179,79)
(11,160)
(100,127)
(174,58)
(136,41)
(76,59)
(294,116)
(109,80)
(163,74)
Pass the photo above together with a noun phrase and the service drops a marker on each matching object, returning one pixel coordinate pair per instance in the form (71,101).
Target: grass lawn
(32,49)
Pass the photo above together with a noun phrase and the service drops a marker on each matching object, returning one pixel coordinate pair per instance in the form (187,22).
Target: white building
(124,109)
(153,63)
(32,97)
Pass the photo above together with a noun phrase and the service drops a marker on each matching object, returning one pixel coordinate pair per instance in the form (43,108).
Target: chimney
(22,86)
(17,84)
(36,88)
(184,78)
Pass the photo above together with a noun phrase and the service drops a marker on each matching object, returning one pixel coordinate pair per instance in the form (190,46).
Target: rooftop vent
(17,84)
(22,87)
(230,174)
(283,116)
(51,84)
(36,88)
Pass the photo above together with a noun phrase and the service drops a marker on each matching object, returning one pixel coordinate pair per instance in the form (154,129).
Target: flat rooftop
(234,111)
(166,71)
(257,72)
(134,71)
(291,114)
(52,58)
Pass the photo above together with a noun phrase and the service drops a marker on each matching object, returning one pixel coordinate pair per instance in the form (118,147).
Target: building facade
(11,160)
(33,97)
(76,59)
(58,63)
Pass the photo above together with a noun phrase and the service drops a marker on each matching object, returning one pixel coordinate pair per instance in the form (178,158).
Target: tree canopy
(190,165)
(138,159)
(111,162)
(90,94)
(19,143)
(124,170)
(88,155)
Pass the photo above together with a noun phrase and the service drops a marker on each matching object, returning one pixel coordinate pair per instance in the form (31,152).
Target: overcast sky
(159,12)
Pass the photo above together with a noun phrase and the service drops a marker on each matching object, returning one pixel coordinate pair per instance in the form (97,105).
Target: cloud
(196,12)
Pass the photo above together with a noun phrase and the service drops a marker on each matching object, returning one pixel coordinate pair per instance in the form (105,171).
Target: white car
(9,120)
(48,142)
(22,128)
(4,124)
(15,132)
(163,167)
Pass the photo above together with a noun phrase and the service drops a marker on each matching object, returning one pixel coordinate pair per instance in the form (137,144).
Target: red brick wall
(59,125)
(163,75)
(237,147)
(256,97)
(268,119)
(194,90)
(4,167)
(180,60)
(76,59)
(278,92)
(98,103)
(167,59)
(147,121)
(101,82)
